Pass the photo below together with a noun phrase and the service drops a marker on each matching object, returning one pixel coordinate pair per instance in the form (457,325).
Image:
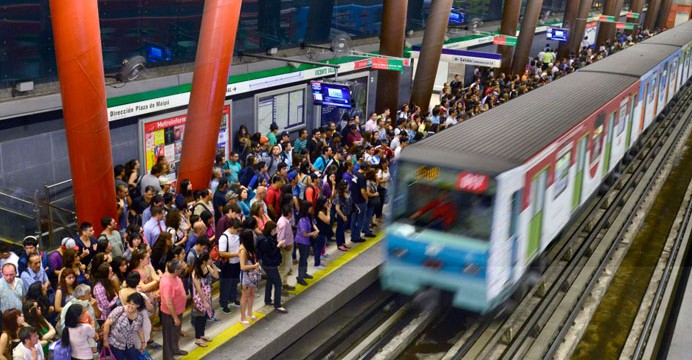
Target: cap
(69,243)
(164,181)
(285,133)
(292,175)
(230,195)
(264,140)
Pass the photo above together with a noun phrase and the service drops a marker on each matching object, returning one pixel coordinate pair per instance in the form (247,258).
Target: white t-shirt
(79,341)
(230,243)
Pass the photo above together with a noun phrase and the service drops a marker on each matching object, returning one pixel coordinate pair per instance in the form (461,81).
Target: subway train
(474,206)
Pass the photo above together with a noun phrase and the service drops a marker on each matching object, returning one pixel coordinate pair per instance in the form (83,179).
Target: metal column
(606,29)
(510,20)
(431,49)
(636,6)
(651,14)
(392,38)
(571,10)
(580,25)
(83,90)
(528,30)
(663,12)
(212,64)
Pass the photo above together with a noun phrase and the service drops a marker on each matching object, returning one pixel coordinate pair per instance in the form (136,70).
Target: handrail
(58,183)
(13,212)
(16,198)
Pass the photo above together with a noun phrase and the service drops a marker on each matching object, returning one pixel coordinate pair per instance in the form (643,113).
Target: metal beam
(510,20)
(528,31)
(392,38)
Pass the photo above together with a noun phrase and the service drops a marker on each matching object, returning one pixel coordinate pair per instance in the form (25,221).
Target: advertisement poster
(163,136)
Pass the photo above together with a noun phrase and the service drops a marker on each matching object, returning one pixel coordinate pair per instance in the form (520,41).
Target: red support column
(391,44)
(528,31)
(209,80)
(571,10)
(508,26)
(83,89)
(430,52)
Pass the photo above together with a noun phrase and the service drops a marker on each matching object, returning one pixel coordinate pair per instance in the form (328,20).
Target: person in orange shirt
(172,308)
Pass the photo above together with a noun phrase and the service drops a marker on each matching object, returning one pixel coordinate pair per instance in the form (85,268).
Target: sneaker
(214,319)
(302,282)
(281,310)
(326,255)
(226,310)
(153,345)
(357,240)
(181,352)
(236,303)
(288,287)
(308,276)
(370,235)
(321,267)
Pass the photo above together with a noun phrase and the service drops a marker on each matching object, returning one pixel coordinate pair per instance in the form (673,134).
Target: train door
(538,187)
(645,97)
(581,164)
(610,131)
(656,95)
(514,230)
(628,136)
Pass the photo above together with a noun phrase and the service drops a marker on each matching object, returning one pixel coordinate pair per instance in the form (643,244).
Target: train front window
(444,200)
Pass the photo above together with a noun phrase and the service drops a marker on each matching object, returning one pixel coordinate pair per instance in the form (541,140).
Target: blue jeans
(273,281)
(304,252)
(341,230)
(230,277)
(127,354)
(368,217)
(357,220)
(319,245)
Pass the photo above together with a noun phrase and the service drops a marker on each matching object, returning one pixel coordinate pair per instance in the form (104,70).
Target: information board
(163,136)
(285,108)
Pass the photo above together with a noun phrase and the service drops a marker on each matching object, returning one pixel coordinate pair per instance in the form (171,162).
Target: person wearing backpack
(269,253)
(229,243)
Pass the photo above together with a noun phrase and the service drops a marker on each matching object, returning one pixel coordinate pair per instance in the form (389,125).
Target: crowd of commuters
(274,203)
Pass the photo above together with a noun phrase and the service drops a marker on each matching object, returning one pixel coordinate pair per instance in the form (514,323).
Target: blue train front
(440,233)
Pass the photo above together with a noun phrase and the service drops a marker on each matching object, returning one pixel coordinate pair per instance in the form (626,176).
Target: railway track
(537,327)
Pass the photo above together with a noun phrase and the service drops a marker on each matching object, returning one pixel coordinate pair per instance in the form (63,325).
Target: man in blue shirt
(232,168)
(155,226)
(35,273)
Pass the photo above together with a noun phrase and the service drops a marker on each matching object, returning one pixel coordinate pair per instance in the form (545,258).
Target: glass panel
(562,174)
(430,198)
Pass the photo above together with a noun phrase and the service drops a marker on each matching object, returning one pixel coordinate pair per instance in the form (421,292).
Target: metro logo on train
(473,183)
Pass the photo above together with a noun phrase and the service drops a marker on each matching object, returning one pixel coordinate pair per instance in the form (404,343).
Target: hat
(164,181)
(292,175)
(230,195)
(264,140)
(69,243)
(285,133)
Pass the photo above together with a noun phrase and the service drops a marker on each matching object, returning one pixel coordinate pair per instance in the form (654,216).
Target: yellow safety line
(238,328)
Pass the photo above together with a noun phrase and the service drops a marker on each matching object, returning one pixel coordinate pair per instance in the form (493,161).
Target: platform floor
(681,341)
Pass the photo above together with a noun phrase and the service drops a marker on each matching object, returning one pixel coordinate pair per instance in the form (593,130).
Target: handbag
(145,356)
(106,353)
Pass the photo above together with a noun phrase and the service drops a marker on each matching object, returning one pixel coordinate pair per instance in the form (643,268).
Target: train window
(652,90)
(561,174)
(597,139)
(620,127)
(439,204)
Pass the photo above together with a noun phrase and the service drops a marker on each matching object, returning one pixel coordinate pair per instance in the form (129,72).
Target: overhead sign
(606,18)
(624,25)
(389,64)
(631,15)
(557,34)
(505,40)
(475,58)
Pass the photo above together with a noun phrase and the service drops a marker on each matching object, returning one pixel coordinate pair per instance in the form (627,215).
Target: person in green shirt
(271,135)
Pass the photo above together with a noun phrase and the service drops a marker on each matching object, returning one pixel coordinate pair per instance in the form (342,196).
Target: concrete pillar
(606,29)
(636,6)
(83,90)
(431,49)
(651,14)
(663,13)
(580,25)
(528,30)
(209,79)
(617,11)
(392,38)
(510,20)
(571,10)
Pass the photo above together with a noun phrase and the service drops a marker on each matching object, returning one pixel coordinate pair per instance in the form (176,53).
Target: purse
(106,353)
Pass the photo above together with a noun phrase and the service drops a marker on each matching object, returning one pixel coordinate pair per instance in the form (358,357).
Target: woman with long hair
(65,289)
(33,315)
(77,333)
(123,323)
(184,199)
(104,290)
(323,220)
(131,173)
(12,321)
(344,208)
(70,260)
(39,294)
(174,219)
(203,271)
(257,212)
(159,252)
(241,141)
(244,201)
(141,263)
(373,200)
(208,219)
(383,178)
(249,275)
(119,266)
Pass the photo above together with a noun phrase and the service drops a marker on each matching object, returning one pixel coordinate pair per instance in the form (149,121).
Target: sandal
(206,339)
(245,322)
(253,317)
(343,248)
(201,343)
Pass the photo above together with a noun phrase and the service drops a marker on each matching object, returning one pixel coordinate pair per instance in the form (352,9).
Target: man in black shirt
(358,194)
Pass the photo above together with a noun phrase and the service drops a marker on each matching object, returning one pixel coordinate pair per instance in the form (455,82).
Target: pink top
(171,288)
(79,341)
